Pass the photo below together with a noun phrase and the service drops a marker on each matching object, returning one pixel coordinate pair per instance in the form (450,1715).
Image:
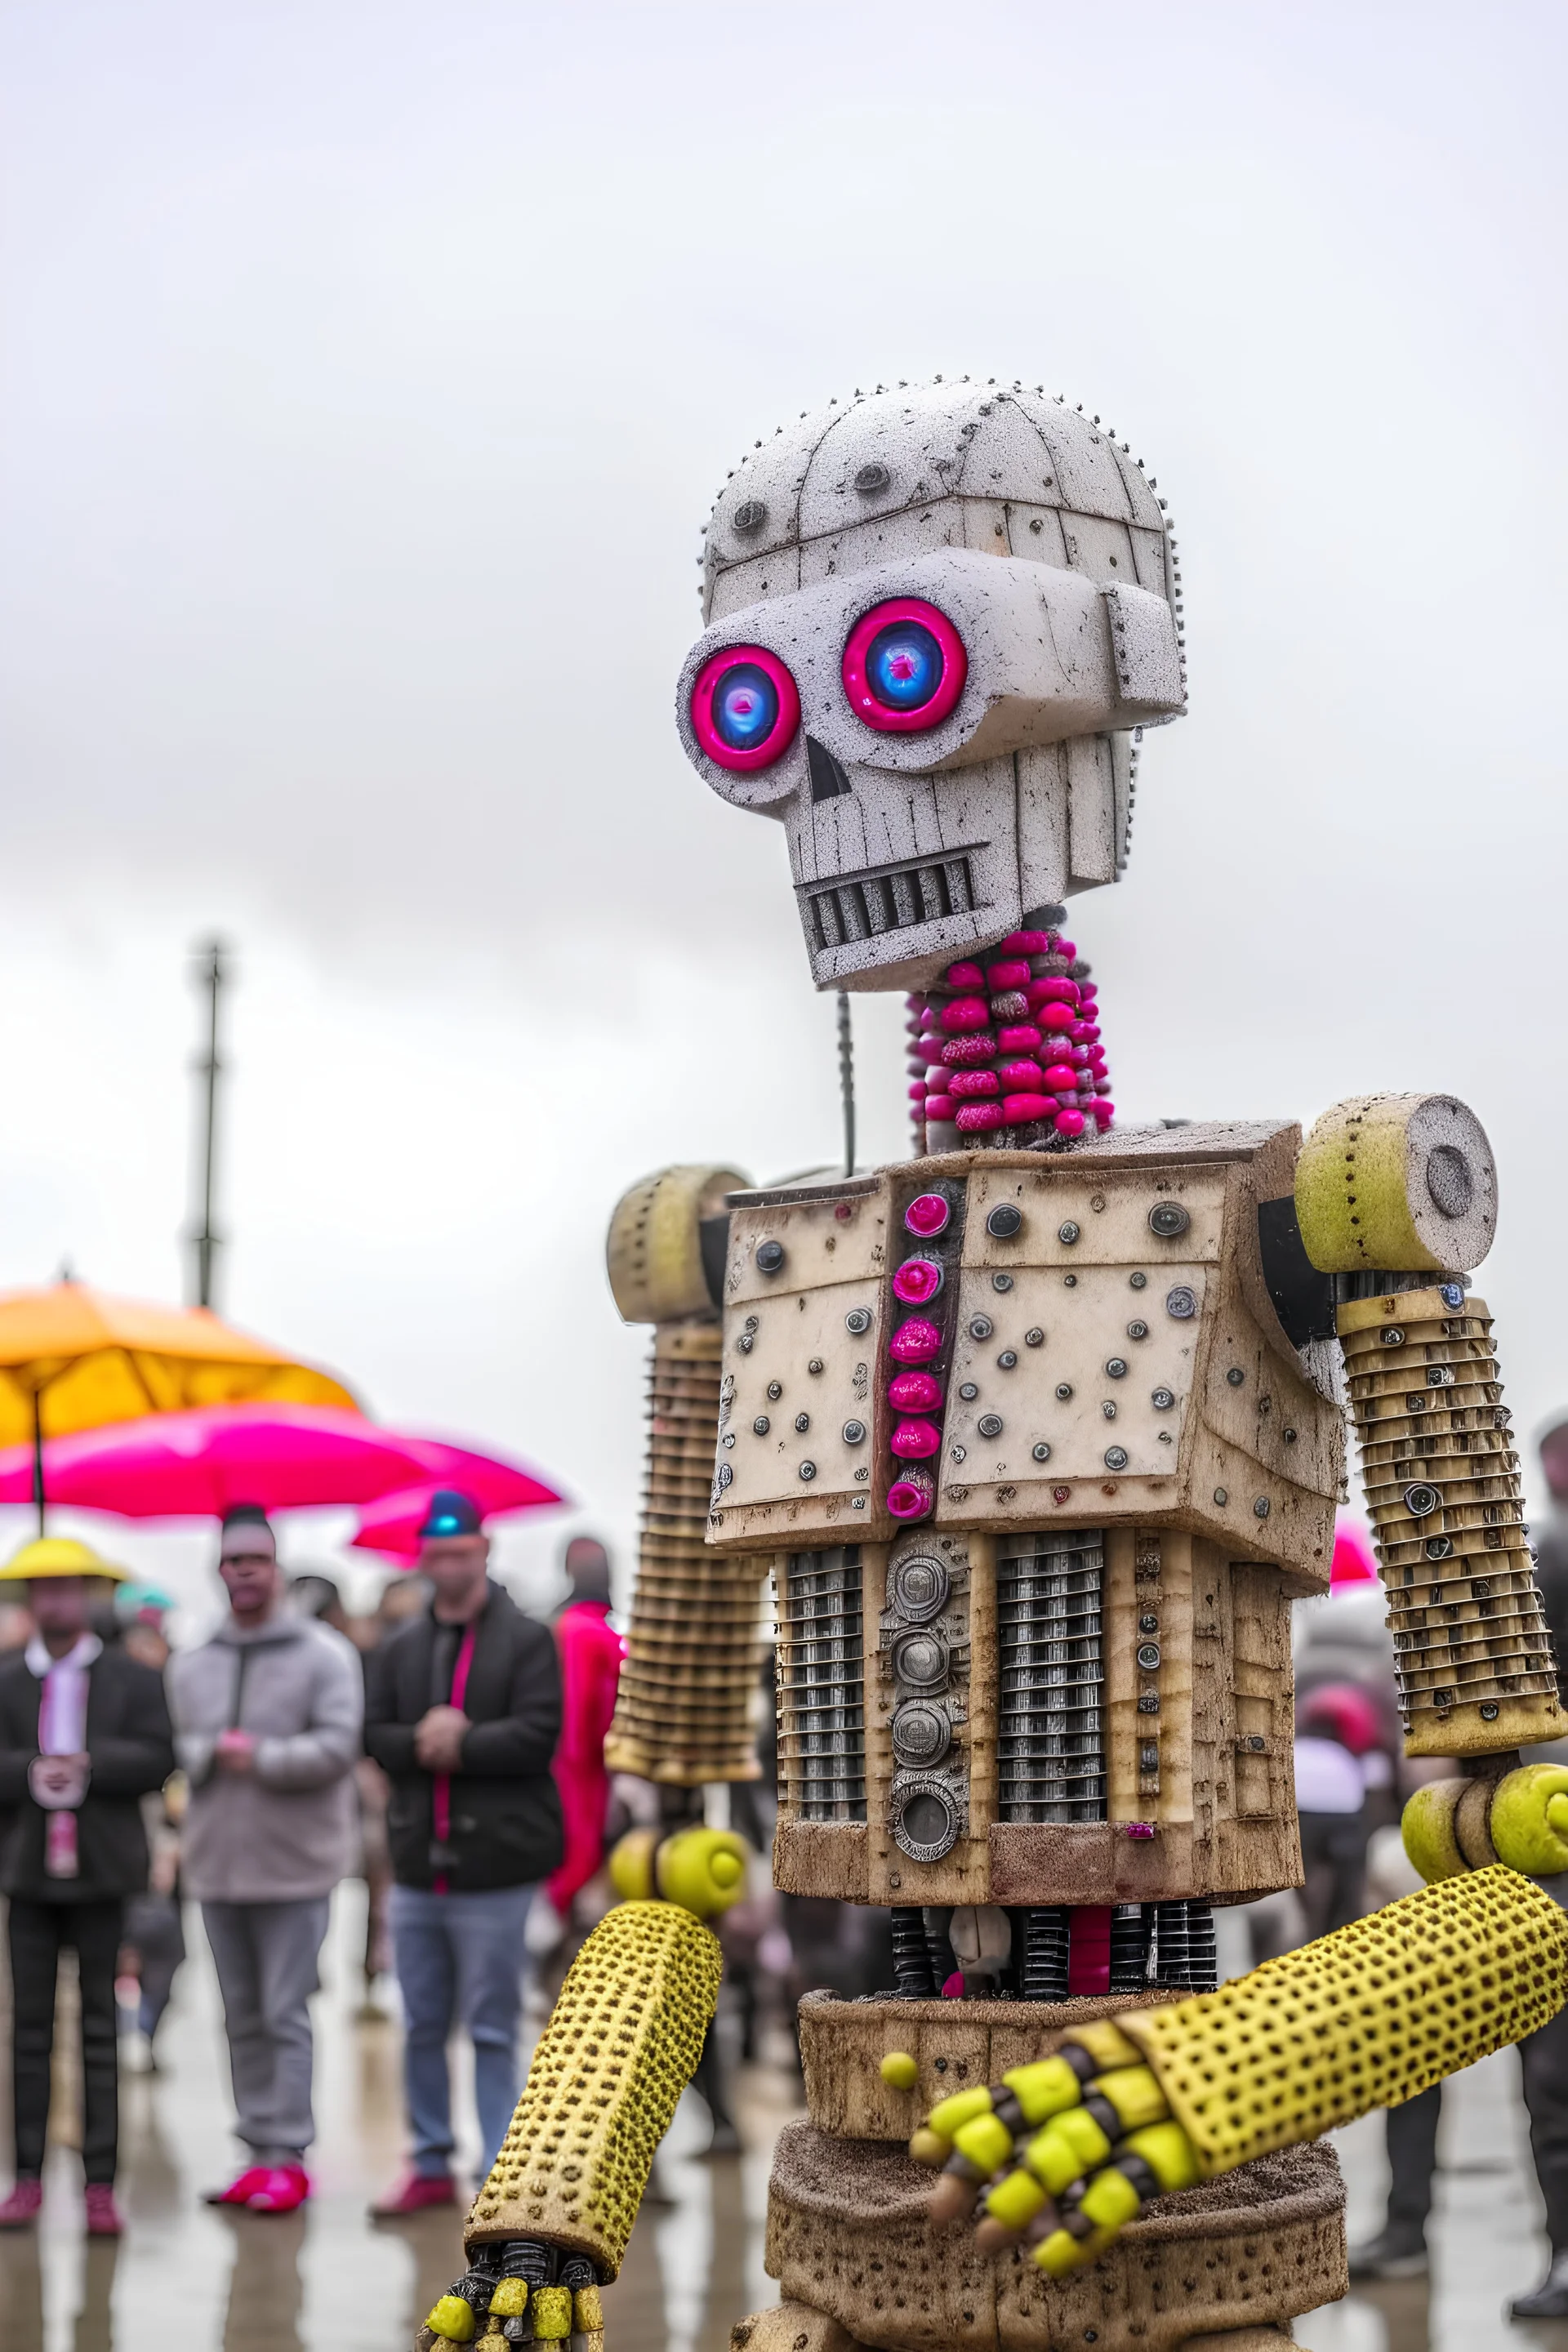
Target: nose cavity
(827,778)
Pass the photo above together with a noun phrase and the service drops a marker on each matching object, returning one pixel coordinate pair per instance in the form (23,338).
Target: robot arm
(1066,2151)
(1397,1202)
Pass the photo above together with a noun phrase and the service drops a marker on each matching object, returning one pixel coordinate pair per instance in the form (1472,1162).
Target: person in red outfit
(591,1654)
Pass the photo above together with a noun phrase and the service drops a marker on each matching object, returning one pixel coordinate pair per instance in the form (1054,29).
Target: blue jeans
(459,1960)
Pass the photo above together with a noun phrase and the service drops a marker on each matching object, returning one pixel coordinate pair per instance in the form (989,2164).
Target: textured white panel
(986,526)
(1091,809)
(763,577)
(1035,532)
(1102,549)
(1087,473)
(917,435)
(1042,824)
(1149,555)
(1006,457)
(880,540)
(1143,639)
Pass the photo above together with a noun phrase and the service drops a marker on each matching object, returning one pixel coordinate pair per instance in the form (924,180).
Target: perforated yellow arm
(1068,2150)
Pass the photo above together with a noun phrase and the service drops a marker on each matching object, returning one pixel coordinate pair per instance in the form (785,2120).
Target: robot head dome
(935,617)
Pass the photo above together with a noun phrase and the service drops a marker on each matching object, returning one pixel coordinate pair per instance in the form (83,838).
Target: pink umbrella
(199,1463)
(391,1524)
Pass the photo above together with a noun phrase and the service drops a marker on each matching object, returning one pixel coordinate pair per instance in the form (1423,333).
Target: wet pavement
(186,2278)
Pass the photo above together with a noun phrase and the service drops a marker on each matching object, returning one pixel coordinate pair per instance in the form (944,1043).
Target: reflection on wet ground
(190,2279)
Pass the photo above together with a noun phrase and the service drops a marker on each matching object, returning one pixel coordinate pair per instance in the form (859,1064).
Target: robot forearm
(1067,2150)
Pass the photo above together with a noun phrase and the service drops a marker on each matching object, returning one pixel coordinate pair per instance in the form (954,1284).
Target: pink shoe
(22,2205)
(415,2194)
(102,2213)
(240,2190)
(282,2188)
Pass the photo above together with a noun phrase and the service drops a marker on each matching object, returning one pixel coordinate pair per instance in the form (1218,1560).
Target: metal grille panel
(864,906)
(823,1750)
(1050,1748)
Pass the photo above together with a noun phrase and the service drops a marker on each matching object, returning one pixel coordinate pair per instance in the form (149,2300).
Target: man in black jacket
(462,1711)
(84,1734)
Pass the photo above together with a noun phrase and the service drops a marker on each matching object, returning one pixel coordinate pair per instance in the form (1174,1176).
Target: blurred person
(140,1618)
(315,1594)
(590,1651)
(267,1720)
(84,1735)
(1337,1728)
(153,1949)
(463,1713)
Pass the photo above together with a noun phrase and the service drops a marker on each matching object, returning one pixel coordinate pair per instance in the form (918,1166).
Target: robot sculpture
(1038,1434)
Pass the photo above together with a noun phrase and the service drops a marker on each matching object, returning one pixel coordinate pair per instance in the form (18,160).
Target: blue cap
(449,1514)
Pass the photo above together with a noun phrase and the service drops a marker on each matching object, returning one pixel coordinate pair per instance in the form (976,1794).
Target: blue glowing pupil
(904,666)
(745,706)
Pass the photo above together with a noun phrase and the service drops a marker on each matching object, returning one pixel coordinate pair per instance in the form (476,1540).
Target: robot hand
(1066,2151)
(551,2223)
(1450,1826)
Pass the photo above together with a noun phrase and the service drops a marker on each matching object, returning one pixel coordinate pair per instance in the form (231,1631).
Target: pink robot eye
(745,711)
(904,666)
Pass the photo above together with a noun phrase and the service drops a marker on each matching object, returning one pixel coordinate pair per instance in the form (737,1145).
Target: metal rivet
(1070,1281)
(1137,1282)
(969,1391)
(1221,1497)
(1116,1457)
(1148,1622)
(872,478)
(1067,1232)
(1064,1389)
(1108,1410)
(1260,1508)
(1393,1336)
(815,1365)
(726,1477)
(1007,1359)
(808,1471)
(1042,1452)
(761,1424)
(1167,1219)
(1181,1302)
(859,1319)
(1234,1376)
(803,1421)
(745,1343)
(1149,1704)
(1004,1221)
(1149,1656)
(853,1433)
(750,517)
(1289,1435)
(1490,1711)
(980,1327)
(1421,1501)
(770,1257)
(1116,1368)
(728,1438)
(989,1424)
(1001,1282)
(1138,1330)
(1034,1336)
(774,1391)
(750,1324)
(1162,1399)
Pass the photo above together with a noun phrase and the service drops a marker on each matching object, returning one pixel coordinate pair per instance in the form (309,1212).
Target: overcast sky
(367,371)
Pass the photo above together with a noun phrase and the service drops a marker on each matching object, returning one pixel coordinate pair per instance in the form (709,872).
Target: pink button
(940,1106)
(965,1012)
(1022,1037)
(917,1281)
(1026,943)
(965,1085)
(964,975)
(915,1341)
(1019,1109)
(1020,1077)
(1069,1122)
(913,1495)
(969,1053)
(914,1441)
(914,1393)
(1013,972)
(1061,1077)
(975,1117)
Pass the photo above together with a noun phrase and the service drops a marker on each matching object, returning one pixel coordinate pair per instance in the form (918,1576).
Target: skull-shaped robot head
(935,617)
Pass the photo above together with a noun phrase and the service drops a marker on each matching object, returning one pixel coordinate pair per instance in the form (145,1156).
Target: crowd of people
(253,1771)
(450,1750)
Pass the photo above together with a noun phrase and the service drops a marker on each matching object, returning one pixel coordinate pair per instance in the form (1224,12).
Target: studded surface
(618,2051)
(1363,2017)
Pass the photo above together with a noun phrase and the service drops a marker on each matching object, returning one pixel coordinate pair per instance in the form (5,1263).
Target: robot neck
(1004,1050)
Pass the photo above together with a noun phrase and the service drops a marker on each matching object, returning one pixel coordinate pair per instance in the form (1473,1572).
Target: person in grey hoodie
(267,1720)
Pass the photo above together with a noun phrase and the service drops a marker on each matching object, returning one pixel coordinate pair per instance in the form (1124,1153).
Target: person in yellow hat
(84,1734)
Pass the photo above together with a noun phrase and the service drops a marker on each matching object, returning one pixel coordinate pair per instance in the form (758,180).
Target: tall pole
(211,973)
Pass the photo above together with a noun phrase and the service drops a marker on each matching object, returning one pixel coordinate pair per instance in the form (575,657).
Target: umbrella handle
(38,1454)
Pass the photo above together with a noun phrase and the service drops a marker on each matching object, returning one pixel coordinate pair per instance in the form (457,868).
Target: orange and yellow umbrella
(73,1358)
